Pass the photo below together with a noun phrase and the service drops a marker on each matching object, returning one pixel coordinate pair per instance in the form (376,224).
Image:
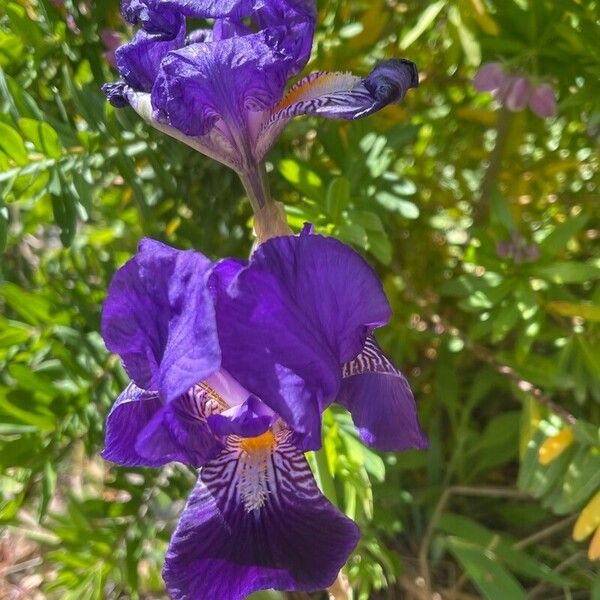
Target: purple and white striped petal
(340,96)
(179,431)
(380,401)
(256,520)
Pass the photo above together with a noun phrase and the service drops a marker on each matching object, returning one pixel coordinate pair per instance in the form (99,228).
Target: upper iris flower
(232,365)
(222,91)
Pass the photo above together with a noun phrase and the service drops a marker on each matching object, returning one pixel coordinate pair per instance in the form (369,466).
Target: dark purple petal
(202,83)
(179,431)
(139,60)
(155,16)
(303,306)
(159,317)
(295,540)
(340,96)
(381,402)
(116,93)
(250,419)
(132,411)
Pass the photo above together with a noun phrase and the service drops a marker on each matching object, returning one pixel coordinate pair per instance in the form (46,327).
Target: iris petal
(302,307)
(179,431)
(380,401)
(159,317)
(340,96)
(296,540)
(132,411)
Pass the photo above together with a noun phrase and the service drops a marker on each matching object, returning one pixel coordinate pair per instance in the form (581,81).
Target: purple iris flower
(232,364)
(222,91)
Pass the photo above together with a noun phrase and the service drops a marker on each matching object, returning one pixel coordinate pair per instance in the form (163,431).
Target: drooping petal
(380,401)
(159,317)
(214,144)
(340,96)
(179,431)
(130,414)
(256,520)
(302,307)
(203,83)
(139,60)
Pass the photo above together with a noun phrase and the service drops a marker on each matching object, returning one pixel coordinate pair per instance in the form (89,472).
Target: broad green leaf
(44,137)
(12,143)
(338,197)
(302,178)
(558,238)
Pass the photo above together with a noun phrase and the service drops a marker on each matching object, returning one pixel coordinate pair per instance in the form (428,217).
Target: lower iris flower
(232,364)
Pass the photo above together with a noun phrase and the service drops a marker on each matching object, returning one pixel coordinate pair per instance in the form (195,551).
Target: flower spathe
(222,90)
(232,364)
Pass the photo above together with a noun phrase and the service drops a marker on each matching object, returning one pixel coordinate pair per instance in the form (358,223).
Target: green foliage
(500,350)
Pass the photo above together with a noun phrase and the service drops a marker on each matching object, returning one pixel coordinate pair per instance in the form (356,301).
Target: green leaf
(558,238)
(588,311)
(12,143)
(484,570)
(338,197)
(425,20)
(569,272)
(44,137)
(302,178)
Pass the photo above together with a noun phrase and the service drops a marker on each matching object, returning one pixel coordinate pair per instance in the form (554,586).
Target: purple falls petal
(296,541)
(340,96)
(159,318)
(302,307)
(179,432)
(132,411)
(381,402)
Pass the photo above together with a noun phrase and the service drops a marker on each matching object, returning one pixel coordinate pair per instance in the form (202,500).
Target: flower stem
(269,216)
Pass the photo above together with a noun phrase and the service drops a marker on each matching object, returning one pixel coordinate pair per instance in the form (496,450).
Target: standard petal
(138,61)
(159,317)
(132,411)
(380,401)
(203,83)
(489,77)
(295,540)
(516,96)
(303,306)
(155,16)
(179,431)
(340,96)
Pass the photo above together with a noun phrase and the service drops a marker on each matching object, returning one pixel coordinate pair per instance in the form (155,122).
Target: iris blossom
(232,364)
(222,90)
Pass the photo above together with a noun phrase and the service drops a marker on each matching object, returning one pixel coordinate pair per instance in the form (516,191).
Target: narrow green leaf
(425,20)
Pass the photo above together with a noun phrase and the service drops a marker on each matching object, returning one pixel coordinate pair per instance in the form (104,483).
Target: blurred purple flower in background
(517,249)
(515,91)
(111,40)
(222,90)
(232,365)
